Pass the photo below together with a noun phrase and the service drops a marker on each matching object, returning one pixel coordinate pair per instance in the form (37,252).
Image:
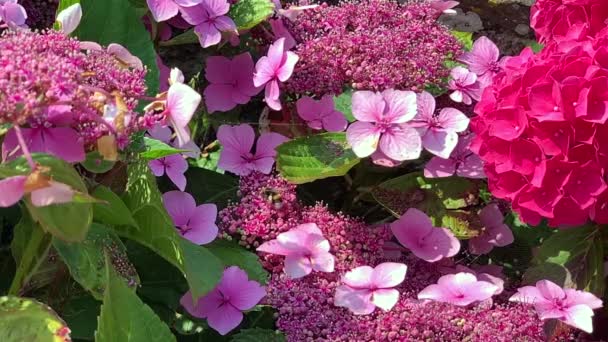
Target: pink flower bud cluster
(542,131)
(372,44)
(306,311)
(567,20)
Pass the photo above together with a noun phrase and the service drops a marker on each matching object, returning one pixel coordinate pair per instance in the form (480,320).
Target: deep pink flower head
(494,232)
(462,162)
(42,191)
(195,223)
(439,132)
(273,68)
(305,250)
(237,142)
(163,10)
(321,114)
(564,21)
(12,14)
(570,306)
(223,307)
(382,124)
(174,166)
(465,86)
(182,102)
(541,132)
(210,20)
(482,59)
(61,142)
(459,289)
(366,288)
(230,82)
(415,231)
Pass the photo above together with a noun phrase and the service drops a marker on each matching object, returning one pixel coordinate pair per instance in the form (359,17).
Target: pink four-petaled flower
(210,20)
(12,14)
(166,9)
(494,232)
(45,193)
(321,114)
(464,85)
(195,223)
(273,68)
(174,166)
(459,289)
(462,162)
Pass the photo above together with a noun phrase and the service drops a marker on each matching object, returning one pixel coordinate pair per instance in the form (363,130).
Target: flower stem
(24,148)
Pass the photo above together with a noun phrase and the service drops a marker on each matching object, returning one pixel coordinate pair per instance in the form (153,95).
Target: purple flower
(462,162)
(459,289)
(210,19)
(223,306)
(273,68)
(439,132)
(382,118)
(482,59)
(464,85)
(321,114)
(12,14)
(494,232)
(196,224)
(62,142)
(237,142)
(280,31)
(174,166)
(166,9)
(230,82)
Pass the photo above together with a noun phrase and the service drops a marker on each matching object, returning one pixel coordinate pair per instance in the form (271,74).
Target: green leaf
(343,104)
(63,4)
(580,252)
(113,210)
(23,319)
(257,335)
(465,38)
(208,186)
(248,13)
(117,21)
(87,260)
(188,37)
(232,254)
(125,318)
(80,313)
(315,157)
(96,164)
(157,232)
(156,149)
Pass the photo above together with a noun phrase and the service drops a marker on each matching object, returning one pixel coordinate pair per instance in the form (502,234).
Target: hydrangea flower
(280,31)
(459,289)
(42,190)
(277,66)
(464,85)
(382,124)
(195,223)
(69,18)
(223,307)
(489,273)
(570,306)
(174,166)
(366,288)
(210,20)
(321,114)
(237,142)
(439,132)
(444,6)
(12,14)
(163,10)
(305,250)
(462,162)
(494,232)
(415,231)
(483,59)
(182,102)
(62,142)
(564,21)
(230,82)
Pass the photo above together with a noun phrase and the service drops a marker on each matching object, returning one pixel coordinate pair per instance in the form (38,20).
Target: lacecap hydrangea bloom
(541,132)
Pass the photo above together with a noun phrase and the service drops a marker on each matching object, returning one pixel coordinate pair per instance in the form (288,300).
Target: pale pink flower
(195,223)
(230,82)
(321,114)
(494,232)
(293,11)
(415,231)
(439,132)
(459,289)
(174,166)
(570,306)
(366,288)
(14,188)
(484,273)
(182,102)
(223,307)
(164,134)
(69,18)
(210,20)
(462,162)
(444,6)
(61,142)
(166,9)
(465,86)
(482,60)
(237,142)
(124,56)
(273,68)
(12,14)
(305,250)
(382,124)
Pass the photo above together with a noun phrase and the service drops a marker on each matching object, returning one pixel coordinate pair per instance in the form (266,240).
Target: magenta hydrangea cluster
(47,80)
(40,13)
(305,306)
(370,44)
